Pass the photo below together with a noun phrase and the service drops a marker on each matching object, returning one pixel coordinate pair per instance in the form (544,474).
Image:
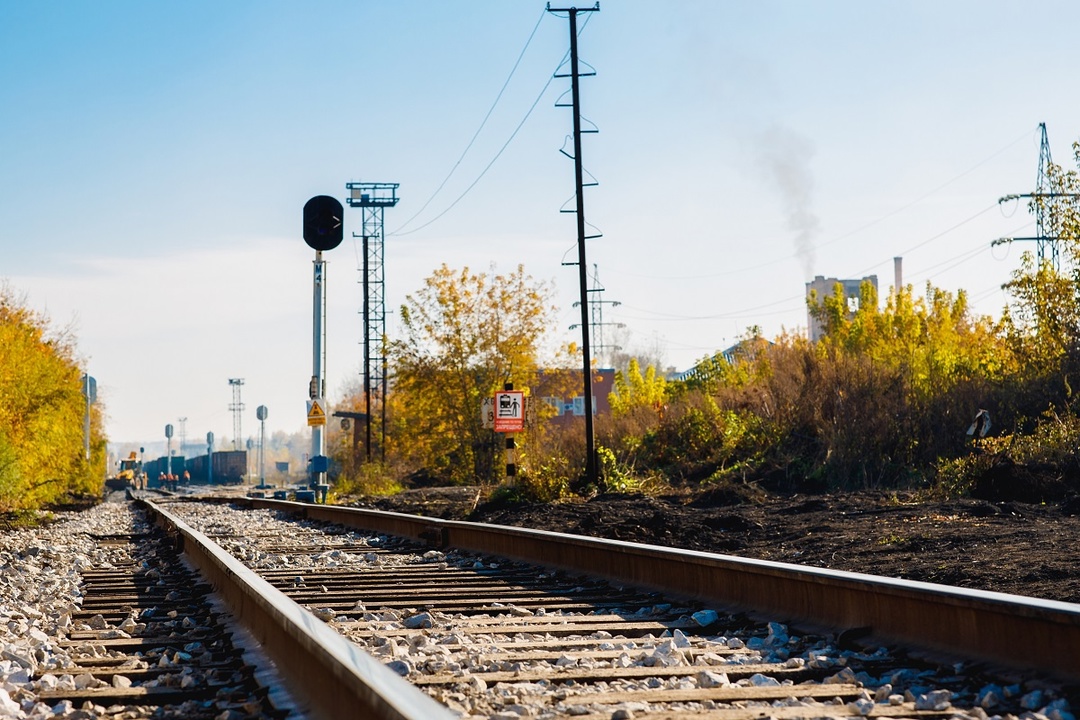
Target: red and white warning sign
(509,411)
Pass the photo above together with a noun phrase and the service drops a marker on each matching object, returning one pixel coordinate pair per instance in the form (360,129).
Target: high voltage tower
(372,199)
(596,317)
(1046,191)
(236,408)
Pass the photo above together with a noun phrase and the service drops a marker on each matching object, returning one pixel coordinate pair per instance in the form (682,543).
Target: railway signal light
(323,228)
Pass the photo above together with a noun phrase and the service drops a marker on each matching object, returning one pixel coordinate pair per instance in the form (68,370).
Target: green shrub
(614,478)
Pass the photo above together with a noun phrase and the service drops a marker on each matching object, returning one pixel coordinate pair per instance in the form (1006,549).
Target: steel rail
(1002,629)
(334,677)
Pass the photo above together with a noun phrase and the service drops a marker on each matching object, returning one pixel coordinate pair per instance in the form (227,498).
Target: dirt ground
(1012,547)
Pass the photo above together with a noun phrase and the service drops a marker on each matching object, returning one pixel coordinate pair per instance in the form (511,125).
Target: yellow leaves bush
(41,411)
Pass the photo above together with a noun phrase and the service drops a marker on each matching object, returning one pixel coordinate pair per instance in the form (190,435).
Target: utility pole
(591,474)
(373,199)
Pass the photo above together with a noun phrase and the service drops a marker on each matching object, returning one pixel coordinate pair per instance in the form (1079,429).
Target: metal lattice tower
(596,317)
(1046,237)
(236,408)
(1046,247)
(373,199)
(183,434)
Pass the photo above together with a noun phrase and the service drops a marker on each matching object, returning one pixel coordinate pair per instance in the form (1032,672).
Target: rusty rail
(332,675)
(1007,630)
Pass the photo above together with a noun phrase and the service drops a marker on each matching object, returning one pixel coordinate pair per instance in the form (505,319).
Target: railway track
(467,614)
(147,641)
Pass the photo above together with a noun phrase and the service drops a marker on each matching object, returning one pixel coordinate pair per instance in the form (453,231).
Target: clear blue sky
(155,157)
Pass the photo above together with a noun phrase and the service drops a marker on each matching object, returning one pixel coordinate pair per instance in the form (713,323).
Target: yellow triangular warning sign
(316,415)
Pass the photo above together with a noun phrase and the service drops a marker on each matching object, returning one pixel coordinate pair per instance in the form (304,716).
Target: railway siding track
(973,624)
(505,639)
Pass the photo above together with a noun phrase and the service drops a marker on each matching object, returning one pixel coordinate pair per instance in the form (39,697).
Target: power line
(928,194)
(932,238)
(785,258)
(477,133)
(499,153)
(487,167)
(755,310)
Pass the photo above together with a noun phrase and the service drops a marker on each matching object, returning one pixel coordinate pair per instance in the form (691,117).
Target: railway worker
(187,477)
(163,480)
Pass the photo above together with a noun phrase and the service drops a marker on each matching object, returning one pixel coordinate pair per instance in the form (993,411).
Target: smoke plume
(785,157)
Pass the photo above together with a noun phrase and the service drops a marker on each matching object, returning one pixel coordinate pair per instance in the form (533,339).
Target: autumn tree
(42,457)
(1042,321)
(465,335)
(634,389)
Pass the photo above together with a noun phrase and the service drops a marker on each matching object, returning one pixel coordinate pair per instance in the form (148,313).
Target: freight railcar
(229,468)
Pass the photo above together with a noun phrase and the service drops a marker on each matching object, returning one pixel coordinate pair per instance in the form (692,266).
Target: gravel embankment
(39,591)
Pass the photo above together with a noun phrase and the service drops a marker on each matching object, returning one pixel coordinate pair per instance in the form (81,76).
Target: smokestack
(899,273)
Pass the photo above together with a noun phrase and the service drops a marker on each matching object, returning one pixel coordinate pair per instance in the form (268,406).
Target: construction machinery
(128,472)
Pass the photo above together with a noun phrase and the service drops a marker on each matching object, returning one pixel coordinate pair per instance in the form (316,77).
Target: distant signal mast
(237,409)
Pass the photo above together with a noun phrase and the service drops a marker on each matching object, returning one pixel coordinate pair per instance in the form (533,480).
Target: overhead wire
(746,311)
(967,255)
(483,123)
(501,149)
(927,194)
(938,236)
(891,213)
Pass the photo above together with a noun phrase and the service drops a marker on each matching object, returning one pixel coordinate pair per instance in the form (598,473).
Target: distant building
(568,404)
(824,287)
(745,350)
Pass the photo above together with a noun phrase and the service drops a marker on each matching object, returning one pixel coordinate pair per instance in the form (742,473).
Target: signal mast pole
(322,231)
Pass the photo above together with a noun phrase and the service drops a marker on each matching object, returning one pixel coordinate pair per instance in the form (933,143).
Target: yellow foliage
(636,390)
(465,336)
(41,411)
(935,338)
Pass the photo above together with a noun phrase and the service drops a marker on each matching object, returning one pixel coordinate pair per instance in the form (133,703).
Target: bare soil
(1009,546)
